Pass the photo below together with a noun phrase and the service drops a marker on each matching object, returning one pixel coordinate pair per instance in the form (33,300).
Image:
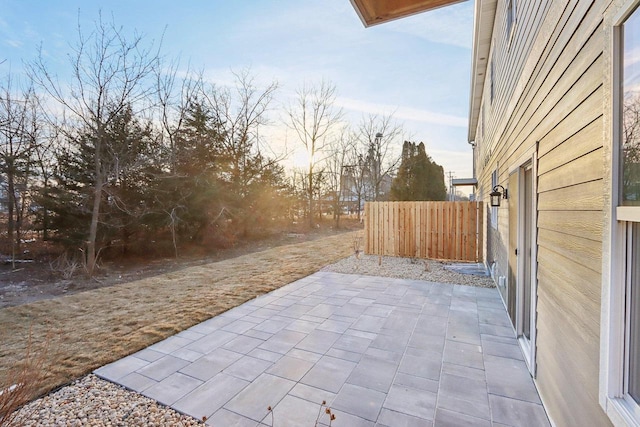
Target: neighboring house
(352,195)
(552,121)
(357,187)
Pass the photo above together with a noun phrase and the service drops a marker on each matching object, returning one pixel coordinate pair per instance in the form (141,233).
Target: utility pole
(451,195)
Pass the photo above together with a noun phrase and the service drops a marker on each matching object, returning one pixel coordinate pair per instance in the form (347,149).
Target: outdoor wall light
(496,195)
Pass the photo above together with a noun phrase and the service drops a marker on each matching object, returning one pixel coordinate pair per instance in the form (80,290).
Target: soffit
(484,18)
(373,12)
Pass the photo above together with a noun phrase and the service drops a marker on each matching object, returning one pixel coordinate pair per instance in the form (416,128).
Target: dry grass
(22,381)
(90,329)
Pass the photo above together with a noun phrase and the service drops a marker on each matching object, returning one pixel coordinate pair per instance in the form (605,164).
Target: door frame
(528,347)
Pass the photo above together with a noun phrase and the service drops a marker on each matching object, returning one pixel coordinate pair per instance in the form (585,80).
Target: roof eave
(484,17)
(375,12)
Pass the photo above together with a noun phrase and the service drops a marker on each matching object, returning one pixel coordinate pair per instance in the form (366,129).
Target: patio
(379,351)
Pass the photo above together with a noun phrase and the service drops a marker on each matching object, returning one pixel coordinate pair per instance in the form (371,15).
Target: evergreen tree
(221,187)
(401,185)
(188,193)
(130,178)
(419,177)
(436,189)
(110,72)
(126,168)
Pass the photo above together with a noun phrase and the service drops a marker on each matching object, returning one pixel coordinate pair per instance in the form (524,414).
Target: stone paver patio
(379,351)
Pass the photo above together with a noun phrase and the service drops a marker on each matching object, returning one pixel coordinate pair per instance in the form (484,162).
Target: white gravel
(407,268)
(91,401)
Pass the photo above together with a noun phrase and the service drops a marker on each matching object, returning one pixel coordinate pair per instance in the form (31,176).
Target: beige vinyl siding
(551,97)
(509,54)
(587,224)
(581,197)
(589,136)
(587,167)
(512,51)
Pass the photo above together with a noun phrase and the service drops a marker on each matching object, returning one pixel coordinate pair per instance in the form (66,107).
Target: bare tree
(45,161)
(109,74)
(313,117)
(338,183)
(174,95)
(19,128)
(238,114)
(378,136)
(248,170)
(357,177)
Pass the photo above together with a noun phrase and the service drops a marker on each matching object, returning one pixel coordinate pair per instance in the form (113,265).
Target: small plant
(324,409)
(66,265)
(327,411)
(22,382)
(357,249)
(357,243)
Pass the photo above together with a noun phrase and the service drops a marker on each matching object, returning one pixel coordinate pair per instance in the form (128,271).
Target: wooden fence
(436,230)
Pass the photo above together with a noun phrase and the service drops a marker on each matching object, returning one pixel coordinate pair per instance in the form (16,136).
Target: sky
(417,68)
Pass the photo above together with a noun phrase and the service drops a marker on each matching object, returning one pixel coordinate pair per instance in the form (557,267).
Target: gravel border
(407,268)
(92,401)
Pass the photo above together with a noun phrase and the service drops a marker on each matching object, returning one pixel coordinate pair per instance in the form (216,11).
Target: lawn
(84,331)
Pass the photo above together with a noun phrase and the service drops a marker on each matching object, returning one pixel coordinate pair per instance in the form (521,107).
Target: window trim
(628,213)
(614,290)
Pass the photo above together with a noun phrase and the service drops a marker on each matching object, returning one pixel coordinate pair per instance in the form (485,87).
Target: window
(511,16)
(482,123)
(491,81)
(629,178)
(630,98)
(621,352)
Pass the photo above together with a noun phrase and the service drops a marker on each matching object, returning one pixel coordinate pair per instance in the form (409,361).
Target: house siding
(509,55)
(549,100)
